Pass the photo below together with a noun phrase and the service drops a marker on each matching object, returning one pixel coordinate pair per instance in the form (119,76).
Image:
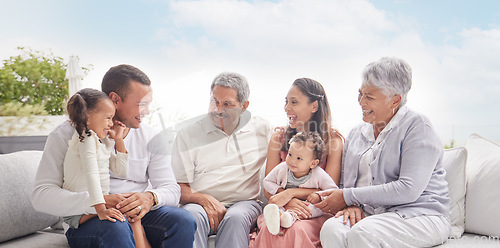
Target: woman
(392,171)
(307,108)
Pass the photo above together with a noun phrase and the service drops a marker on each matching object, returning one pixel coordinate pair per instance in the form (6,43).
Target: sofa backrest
(454,162)
(483,183)
(9,144)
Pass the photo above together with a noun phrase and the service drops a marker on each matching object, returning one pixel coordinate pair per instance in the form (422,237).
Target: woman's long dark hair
(321,121)
(79,105)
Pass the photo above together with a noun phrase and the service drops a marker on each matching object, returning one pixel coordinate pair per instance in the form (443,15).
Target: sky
(453,48)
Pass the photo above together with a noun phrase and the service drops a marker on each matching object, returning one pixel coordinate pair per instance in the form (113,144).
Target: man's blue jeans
(164,227)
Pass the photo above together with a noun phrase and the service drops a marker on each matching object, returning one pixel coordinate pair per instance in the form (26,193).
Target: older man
(217,161)
(165,224)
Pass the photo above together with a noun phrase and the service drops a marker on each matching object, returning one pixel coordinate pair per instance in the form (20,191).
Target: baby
(298,171)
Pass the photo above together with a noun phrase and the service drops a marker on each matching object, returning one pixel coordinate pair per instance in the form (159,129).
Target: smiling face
(298,108)
(100,119)
(225,108)
(300,159)
(377,108)
(135,106)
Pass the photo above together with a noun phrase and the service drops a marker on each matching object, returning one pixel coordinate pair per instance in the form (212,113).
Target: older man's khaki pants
(234,229)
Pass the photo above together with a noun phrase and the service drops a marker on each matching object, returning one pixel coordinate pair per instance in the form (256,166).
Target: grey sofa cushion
(17,174)
(47,238)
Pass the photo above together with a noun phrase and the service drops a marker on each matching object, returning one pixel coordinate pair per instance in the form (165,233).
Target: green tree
(35,78)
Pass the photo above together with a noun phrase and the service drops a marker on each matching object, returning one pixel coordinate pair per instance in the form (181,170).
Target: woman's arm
(273,156)
(420,152)
(334,159)
(282,197)
(273,152)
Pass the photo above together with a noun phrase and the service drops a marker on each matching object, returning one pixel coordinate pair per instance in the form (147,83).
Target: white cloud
(278,31)
(273,43)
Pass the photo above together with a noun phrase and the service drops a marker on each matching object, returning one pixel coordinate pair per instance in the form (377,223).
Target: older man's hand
(215,211)
(333,202)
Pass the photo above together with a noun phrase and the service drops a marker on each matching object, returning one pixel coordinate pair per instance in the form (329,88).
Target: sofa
(473,175)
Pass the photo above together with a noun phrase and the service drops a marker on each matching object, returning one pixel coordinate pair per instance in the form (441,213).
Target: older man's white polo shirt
(223,166)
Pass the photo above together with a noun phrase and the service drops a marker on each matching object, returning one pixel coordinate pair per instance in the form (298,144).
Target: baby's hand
(314,198)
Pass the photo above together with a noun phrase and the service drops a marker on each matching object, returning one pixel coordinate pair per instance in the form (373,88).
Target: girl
(91,154)
(298,171)
(307,109)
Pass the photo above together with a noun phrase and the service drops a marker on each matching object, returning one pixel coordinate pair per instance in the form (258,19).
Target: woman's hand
(299,207)
(352,213)
(281,199)
(333,202)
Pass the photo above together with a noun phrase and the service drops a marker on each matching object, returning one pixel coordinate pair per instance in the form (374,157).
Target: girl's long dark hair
(321,121)
(79,105)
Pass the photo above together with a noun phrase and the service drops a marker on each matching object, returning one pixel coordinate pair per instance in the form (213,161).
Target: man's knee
(236,217)
(199,216)
(116,228)
(182,217)
(243,217)
(97,233)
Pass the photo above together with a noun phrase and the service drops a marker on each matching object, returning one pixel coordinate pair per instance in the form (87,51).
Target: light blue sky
(452,46)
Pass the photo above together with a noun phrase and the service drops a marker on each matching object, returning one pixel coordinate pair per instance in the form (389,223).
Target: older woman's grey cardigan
(407,176)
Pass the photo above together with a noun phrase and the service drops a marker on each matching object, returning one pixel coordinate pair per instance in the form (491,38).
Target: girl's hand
(111,214)
(280,199)
(118,130)
(299,207)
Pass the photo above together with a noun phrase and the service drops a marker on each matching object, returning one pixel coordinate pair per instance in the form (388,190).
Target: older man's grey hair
(391,75)
(234,81)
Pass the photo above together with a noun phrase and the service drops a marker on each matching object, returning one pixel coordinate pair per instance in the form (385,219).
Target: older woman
(392,171)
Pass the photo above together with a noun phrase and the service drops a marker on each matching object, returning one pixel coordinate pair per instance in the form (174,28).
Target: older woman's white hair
(391,75)
(234,81)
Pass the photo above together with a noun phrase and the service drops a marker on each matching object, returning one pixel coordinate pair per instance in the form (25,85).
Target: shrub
(35,78)
(19,109)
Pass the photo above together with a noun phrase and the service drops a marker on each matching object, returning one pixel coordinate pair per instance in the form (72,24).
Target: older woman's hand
(352,213)
(333,202)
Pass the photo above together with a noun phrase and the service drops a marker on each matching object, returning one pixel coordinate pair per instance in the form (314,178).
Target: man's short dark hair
(118,79)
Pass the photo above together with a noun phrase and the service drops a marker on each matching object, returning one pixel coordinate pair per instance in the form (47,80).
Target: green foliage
(15,108)
(35,78)
(451,145)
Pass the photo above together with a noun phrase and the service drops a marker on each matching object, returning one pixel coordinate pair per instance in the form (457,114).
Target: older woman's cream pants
(385,230)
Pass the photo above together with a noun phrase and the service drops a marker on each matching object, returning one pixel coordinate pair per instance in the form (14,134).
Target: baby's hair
(79,105)
(311,140)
